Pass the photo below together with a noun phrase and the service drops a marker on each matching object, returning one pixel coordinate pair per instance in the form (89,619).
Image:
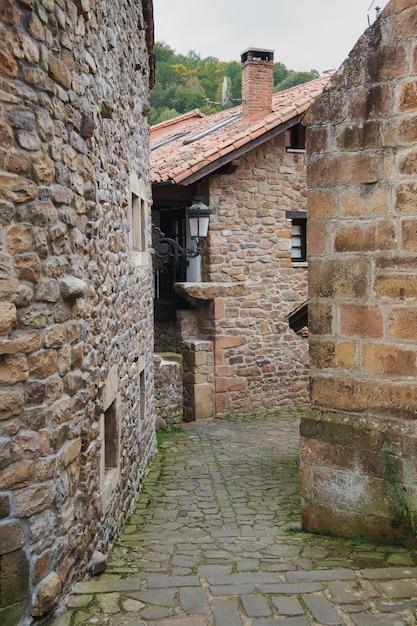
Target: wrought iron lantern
(198,219)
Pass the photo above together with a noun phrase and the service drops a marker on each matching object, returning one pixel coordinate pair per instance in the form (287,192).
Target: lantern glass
(198,218)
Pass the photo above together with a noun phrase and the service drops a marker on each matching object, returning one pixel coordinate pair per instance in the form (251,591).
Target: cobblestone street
(215,540)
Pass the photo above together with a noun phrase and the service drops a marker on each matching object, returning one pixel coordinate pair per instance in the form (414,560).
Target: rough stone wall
(170,334)
(249,235)
(76,306)
(362,208)
(169,387)
(167,336)
(259,361)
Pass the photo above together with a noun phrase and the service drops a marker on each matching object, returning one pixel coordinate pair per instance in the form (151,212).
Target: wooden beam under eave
(147,11)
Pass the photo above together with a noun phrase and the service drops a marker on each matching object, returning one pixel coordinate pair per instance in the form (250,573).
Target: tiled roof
(172,126)
(219,138)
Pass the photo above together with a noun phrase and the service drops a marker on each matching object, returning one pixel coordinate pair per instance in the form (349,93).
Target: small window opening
(298,235)
(142,395)
(298,240)
(138,223)
(297,138)
(111,437)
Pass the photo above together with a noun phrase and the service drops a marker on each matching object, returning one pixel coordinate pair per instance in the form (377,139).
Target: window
(138,221)
(296,138)
(298,235)
(111,437)
(142,402)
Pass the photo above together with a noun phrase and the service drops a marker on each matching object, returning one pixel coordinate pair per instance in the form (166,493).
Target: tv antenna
(226,95)
(377,12)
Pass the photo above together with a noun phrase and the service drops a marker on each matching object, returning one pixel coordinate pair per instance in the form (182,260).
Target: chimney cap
(264,54)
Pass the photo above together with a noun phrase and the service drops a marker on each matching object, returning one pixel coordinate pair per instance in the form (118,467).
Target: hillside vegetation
(184,83)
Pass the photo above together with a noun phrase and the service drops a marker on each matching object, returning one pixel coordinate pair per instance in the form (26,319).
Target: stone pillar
(198,380)
(358,445)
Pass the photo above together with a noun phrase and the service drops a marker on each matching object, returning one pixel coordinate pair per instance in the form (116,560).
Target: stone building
(76,328)
(358,446)
(229,313)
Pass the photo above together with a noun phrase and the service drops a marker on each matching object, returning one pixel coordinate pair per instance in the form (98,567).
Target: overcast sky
(305,34)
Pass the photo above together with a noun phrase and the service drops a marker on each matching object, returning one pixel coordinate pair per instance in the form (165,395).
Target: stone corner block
(203,401)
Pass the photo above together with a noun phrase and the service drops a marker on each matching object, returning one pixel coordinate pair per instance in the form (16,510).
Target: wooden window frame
(299,218)
(139,222)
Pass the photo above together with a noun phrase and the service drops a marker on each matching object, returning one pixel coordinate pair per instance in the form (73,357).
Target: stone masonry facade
(76,327)
(362,192)
(254,360)
(168,388)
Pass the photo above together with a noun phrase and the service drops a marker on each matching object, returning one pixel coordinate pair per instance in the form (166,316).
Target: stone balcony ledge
(209,291)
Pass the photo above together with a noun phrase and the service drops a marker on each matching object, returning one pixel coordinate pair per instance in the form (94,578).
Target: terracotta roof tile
(226,150)
(241,142)
(175,160)
(180,177)
(208,153)
(175,125)
(258,125)
(257,132)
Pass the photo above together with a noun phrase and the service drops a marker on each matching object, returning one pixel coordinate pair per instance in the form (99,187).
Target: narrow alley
(215,540)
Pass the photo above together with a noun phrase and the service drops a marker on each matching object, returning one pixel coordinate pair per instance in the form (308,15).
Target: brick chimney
(257,82)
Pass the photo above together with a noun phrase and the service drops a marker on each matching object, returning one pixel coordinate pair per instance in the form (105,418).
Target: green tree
(194,59)
(234,72)
(211,73)
(157,98)
(296,78)
(280,73)
(187,82)
(186,99)
(163,52)
(182,73)
(166,114)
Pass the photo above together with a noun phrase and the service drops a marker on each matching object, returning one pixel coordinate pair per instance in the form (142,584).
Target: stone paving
(215,540)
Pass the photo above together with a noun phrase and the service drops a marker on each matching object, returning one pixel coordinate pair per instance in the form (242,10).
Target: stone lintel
(209,291)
